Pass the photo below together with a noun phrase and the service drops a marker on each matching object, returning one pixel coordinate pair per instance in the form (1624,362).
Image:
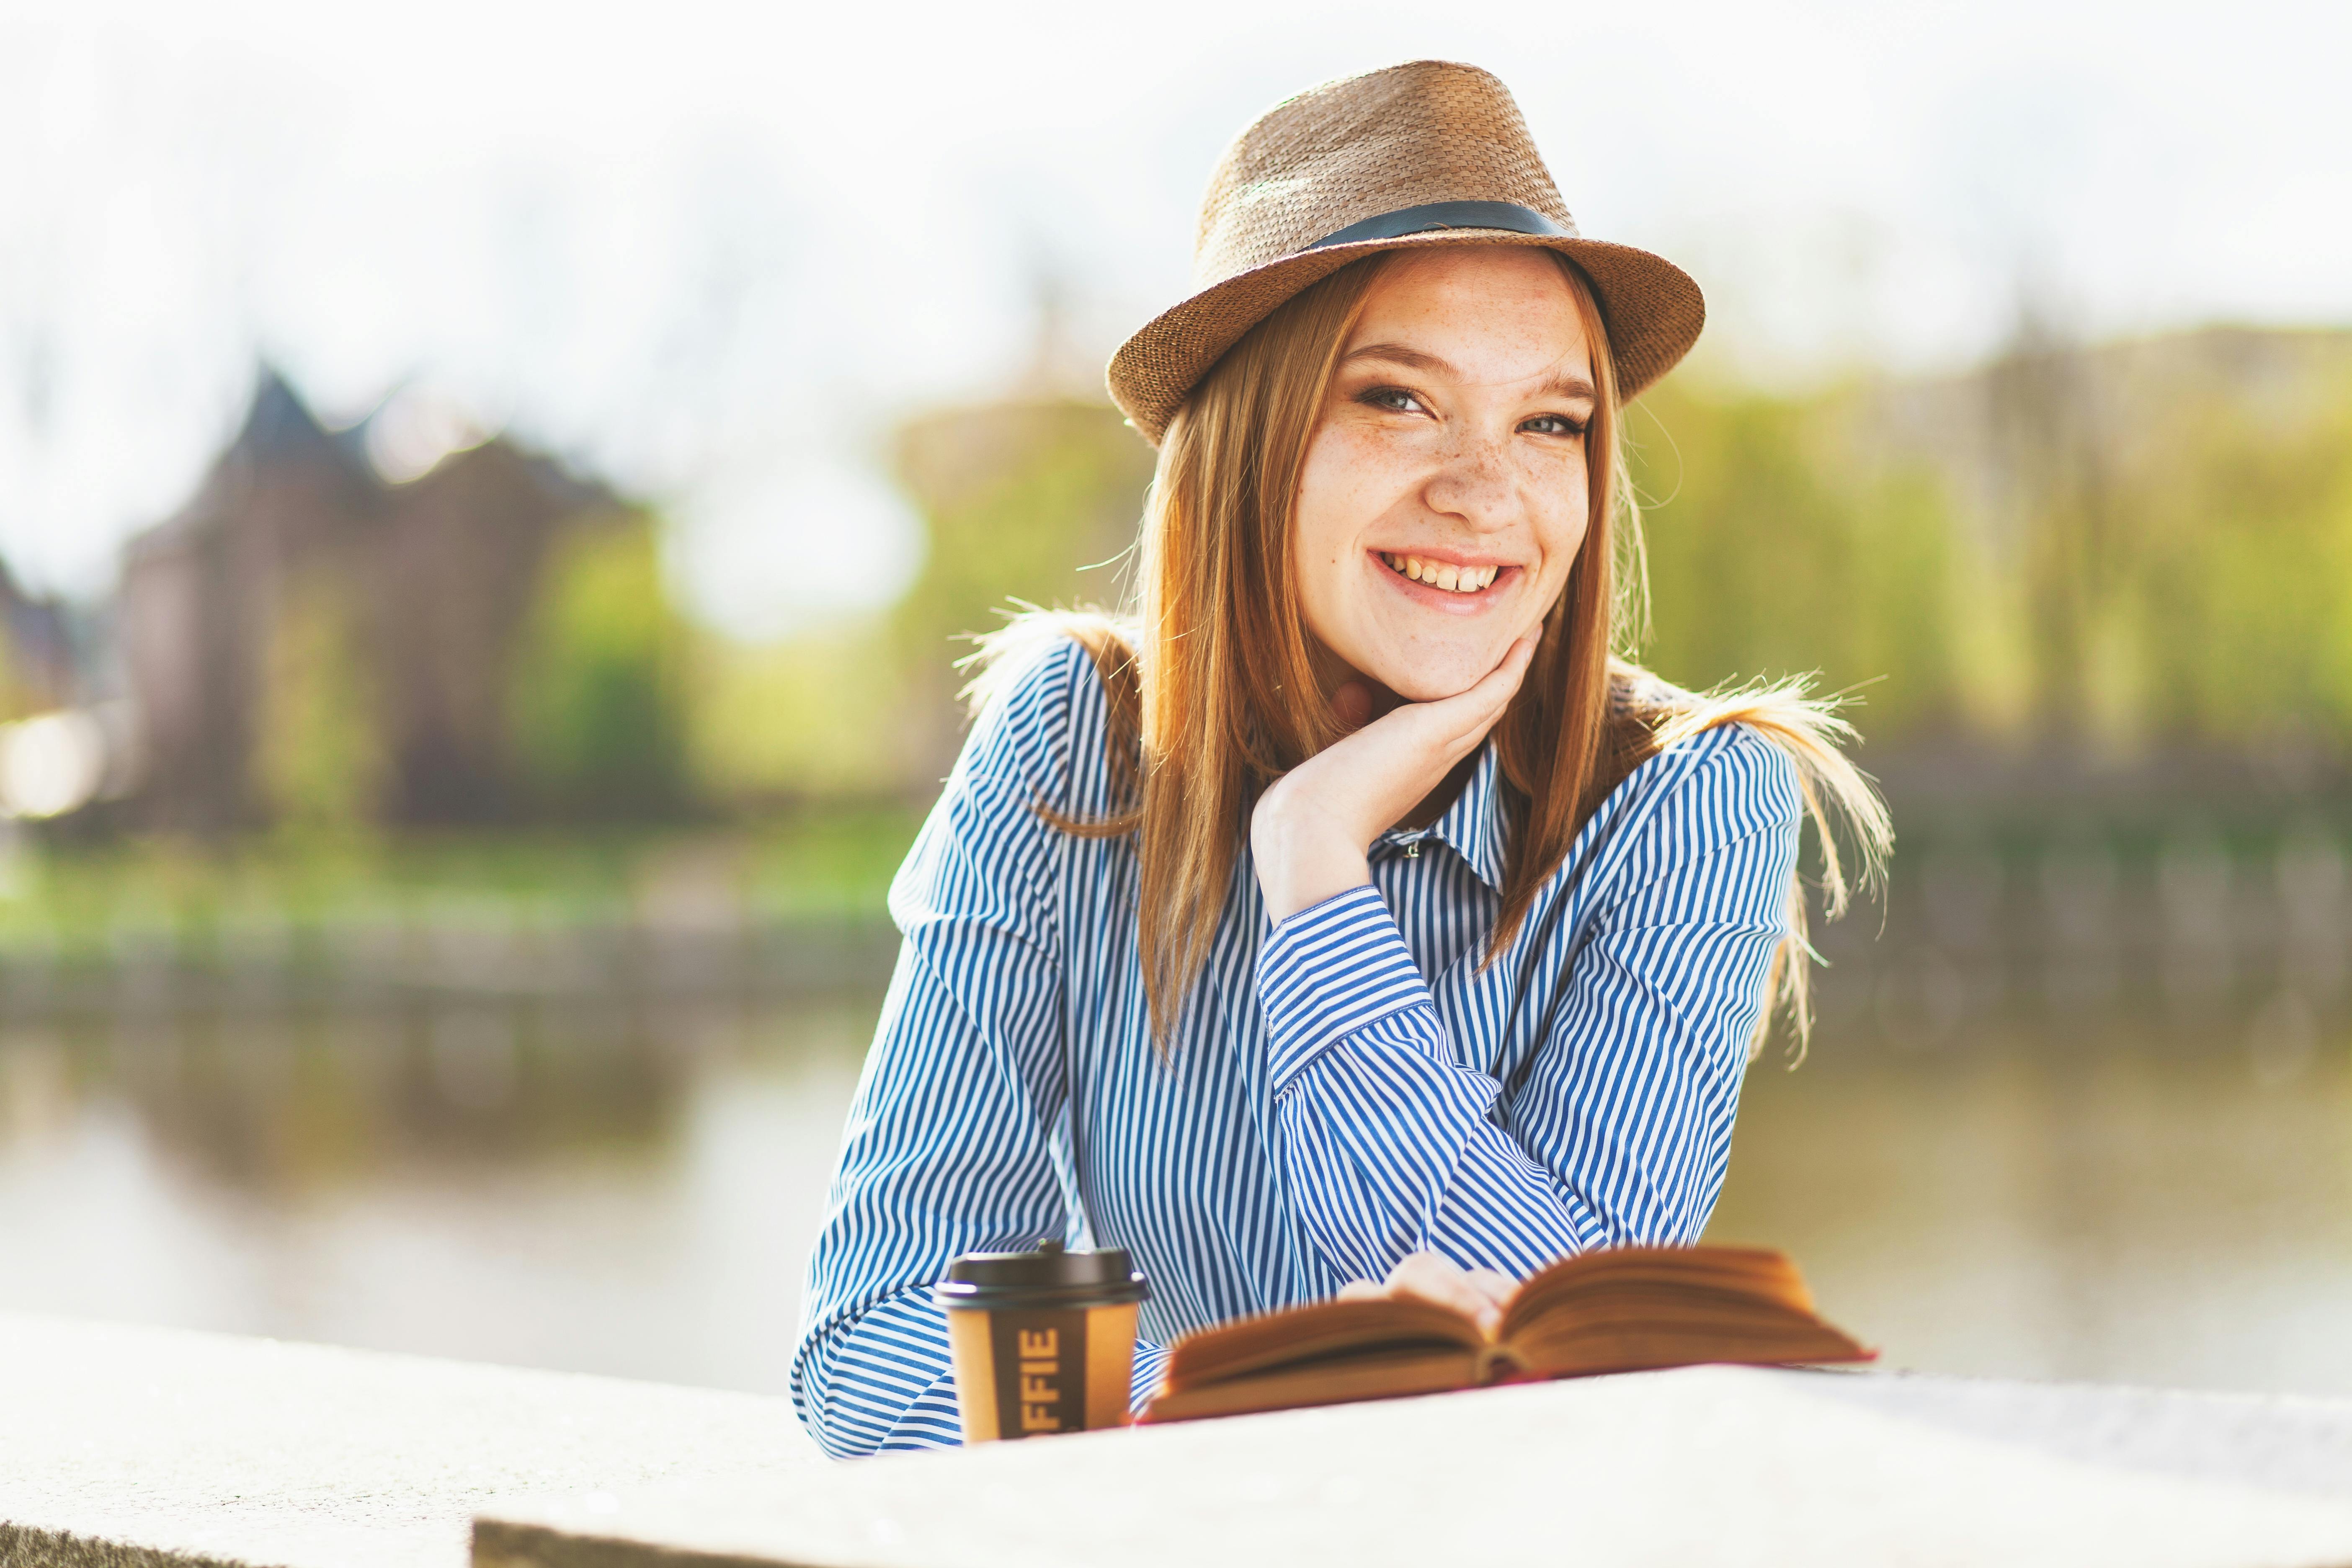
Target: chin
(1430,680)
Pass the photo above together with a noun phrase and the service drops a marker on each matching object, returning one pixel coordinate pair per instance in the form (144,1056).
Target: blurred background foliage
(322,758)
(2076,564)
(2121,552)
(1771,552)
(600,688)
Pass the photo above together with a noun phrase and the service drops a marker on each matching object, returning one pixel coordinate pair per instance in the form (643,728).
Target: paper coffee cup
(1043,1341)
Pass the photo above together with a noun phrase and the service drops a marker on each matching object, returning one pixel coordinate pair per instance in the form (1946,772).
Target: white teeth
(1437,575)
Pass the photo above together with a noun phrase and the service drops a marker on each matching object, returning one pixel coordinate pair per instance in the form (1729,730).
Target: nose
(1473,482)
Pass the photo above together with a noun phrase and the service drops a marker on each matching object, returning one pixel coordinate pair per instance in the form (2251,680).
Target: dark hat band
(1506,215)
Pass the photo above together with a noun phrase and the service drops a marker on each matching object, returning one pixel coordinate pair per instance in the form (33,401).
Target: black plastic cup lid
(1049,1277)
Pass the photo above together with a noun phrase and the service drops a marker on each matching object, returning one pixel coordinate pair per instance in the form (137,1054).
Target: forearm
(878,1380)
(1388,1149)
(1386,1141)
(915,1190)
(1617,1126)
(1303,857)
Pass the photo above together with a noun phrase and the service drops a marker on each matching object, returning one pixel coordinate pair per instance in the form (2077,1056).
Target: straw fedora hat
(1426,154)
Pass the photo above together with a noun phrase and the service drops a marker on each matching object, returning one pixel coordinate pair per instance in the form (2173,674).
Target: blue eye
(1553,425)
(1395,399)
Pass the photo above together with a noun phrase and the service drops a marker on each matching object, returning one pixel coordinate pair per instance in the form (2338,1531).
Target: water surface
(2070,1193)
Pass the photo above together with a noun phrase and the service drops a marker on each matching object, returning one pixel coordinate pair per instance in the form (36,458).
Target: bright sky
(711,252)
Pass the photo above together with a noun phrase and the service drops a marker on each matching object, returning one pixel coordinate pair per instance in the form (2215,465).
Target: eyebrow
(1566,385)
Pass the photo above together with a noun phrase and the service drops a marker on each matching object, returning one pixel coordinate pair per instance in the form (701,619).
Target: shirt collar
(1472,826)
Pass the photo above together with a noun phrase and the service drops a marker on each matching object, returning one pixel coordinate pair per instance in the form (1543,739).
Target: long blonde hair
(1213,694)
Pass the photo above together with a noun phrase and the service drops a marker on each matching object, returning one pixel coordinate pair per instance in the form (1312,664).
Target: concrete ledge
(130,1447)
(137,1447)
(1706,1464)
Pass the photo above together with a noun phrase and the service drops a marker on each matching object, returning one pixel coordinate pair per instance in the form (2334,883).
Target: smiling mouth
(1440,574)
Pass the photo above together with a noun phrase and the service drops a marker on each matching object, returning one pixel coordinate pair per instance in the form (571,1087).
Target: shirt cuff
(1150,1366)
(1328,971)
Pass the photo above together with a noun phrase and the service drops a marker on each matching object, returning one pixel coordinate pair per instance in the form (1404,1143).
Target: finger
(1498,683)
(1462,721)
(1494,688)
(1434,1279)
(1498,1288)
(1361,1290)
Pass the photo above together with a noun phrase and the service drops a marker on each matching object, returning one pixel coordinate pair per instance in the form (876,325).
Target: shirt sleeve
(947,1146)
(1621,1128)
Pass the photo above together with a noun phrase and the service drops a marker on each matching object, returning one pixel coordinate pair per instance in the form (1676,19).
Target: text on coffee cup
(1041,1380)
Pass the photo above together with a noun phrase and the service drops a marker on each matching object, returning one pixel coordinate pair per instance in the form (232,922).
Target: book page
(1324,1331)
(1336,1381)
(1727,1275)
(1654,1306)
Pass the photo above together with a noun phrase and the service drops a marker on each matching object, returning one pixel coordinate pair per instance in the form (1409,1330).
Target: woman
(1349,921)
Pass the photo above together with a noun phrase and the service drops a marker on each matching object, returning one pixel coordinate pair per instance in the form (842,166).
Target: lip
(1447,599)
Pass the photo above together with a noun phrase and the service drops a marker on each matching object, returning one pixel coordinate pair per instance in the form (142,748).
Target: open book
(1623,1310)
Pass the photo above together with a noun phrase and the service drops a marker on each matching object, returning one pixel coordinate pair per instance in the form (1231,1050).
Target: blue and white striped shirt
(1343,1089)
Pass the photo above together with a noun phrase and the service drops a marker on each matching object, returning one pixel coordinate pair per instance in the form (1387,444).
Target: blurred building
(309,635)
(40,667)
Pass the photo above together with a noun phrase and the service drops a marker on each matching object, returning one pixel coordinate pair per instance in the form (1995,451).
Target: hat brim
(1652,309)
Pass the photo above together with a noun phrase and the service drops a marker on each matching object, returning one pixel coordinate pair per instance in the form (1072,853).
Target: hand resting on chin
(1311,829)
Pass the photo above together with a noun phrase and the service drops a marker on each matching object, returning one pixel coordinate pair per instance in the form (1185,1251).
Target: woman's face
(1444,494)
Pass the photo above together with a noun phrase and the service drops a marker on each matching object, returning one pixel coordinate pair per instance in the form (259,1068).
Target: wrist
(1301,861)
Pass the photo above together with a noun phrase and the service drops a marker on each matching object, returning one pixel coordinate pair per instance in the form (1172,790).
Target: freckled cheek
(1332,512)
(1351,480)
(1559,528)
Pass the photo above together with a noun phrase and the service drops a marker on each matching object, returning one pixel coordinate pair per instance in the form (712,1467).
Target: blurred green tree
(821,714)
(599,679)
(2099,547)
(1772,554)
(1034,502)
(2241,578)
(320,749)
